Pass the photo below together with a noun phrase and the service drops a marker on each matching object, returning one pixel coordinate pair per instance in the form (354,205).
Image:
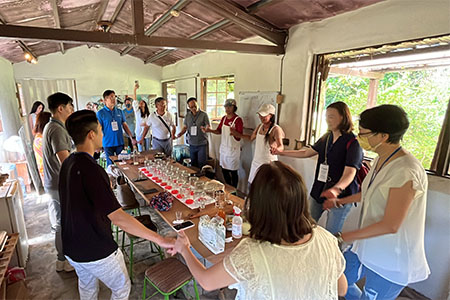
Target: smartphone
(184,225)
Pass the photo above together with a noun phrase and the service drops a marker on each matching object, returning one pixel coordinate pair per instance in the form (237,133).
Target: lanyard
(326,148)
(375,172)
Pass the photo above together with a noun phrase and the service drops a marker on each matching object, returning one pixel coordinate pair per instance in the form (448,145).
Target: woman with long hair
(42,120)
(339,158)
(388,248)
(142,113)
(286,256)
(36,109)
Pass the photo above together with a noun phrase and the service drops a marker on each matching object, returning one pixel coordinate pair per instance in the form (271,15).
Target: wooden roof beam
(21,43)
(116,13)
(57,21)
(251,23)
(179,5)
(107,38)
(210,29)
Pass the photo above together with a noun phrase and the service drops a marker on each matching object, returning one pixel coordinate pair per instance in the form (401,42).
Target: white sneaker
(68,267)
(60,265)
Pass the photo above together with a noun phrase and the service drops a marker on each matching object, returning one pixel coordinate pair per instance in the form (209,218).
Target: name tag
(323,173)
(114,126)
(194,130)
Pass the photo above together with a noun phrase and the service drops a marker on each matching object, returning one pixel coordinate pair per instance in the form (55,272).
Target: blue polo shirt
(345,152)
(105,116)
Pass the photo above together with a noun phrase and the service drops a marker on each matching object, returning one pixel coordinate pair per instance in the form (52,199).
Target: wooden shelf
(7,253)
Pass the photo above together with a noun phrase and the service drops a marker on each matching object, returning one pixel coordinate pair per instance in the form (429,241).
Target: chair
(167,277)
(147,222)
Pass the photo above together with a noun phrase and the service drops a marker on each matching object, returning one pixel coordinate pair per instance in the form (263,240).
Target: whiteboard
(250,102)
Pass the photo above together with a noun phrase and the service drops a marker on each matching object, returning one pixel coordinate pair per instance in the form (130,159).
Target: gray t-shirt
(200,119)
(55,139)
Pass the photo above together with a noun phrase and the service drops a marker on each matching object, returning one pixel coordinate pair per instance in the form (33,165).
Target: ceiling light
(175,13)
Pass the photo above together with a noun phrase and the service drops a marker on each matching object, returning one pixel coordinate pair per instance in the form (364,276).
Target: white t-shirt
(269,271)
(158,128)
(398,257)
(140,122)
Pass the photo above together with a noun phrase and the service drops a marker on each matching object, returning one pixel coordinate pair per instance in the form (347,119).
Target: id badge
(194,130)
(114,126)
(323,173)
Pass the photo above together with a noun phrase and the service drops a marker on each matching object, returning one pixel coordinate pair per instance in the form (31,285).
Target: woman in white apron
(230,146)
(269,137)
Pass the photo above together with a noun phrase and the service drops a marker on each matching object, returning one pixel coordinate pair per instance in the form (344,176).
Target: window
(414,75)
(215,92)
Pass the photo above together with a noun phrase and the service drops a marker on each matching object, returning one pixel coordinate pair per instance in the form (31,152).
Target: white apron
(262,154)
(230,149)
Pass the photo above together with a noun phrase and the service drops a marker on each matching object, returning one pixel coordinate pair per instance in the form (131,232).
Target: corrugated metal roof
(193,18)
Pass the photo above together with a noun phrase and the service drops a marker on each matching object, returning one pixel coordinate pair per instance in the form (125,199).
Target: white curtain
(31,90)
(39,89)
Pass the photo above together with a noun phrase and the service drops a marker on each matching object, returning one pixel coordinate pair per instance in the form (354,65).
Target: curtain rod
(181,77)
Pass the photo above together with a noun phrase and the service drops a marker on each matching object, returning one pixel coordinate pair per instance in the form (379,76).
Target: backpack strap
(349,143)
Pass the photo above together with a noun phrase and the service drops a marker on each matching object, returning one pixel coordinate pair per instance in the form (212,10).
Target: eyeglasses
(366,133)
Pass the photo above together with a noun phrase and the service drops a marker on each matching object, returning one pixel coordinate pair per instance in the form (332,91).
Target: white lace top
(268,271)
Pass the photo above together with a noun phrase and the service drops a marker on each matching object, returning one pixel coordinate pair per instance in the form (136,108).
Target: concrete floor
(45,283)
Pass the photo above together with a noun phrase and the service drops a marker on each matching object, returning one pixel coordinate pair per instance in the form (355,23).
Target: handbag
(125,195)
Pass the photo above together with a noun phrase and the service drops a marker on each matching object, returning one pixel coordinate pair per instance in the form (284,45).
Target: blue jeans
(375,288)
(198,155)
(145,146)
(336,216)
(110,151)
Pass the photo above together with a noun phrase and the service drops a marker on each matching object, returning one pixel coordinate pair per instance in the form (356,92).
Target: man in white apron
(230,146)
(268,135)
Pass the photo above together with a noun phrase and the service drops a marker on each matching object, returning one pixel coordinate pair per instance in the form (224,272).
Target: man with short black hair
(195,123)
(163,127)
(112,120)
(88,206)
(56,147)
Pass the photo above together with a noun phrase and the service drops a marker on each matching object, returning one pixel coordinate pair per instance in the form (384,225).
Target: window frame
(440,165)
(204,102)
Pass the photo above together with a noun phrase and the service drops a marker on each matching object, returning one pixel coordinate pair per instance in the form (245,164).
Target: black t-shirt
(86,201)
(338,157)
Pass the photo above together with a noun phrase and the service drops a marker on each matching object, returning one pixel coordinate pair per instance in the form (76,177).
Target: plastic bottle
(129,150)
(237,224)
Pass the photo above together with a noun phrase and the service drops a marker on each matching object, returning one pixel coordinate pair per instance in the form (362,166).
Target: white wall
(95,70)
(9,107)
(385,22)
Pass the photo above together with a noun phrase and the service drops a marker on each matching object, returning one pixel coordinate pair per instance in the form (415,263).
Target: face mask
(364,143)
(128,106)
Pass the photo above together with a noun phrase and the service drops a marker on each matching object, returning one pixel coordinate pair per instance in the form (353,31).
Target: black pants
(231,177)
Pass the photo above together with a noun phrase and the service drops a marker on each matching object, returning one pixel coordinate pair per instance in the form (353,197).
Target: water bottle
(237,223)
(128,150)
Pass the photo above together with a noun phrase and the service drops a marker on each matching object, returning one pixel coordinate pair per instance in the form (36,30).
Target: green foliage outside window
(423,94)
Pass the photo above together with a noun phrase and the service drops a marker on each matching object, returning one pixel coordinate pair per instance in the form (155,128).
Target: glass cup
(178,216)
(192,181)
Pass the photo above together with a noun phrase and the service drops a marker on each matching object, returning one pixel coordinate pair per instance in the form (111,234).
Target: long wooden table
(131,172)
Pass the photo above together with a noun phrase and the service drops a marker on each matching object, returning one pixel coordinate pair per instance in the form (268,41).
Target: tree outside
(423,94)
